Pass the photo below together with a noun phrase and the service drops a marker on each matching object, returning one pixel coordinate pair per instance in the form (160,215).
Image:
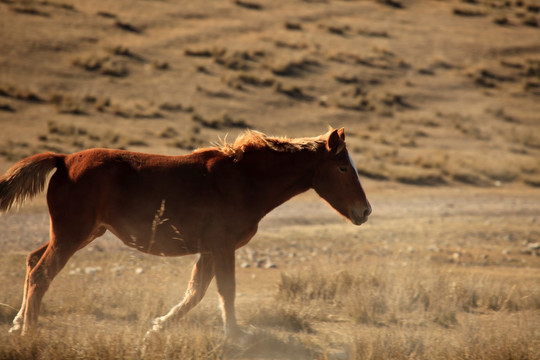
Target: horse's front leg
(202,274)
(226,287)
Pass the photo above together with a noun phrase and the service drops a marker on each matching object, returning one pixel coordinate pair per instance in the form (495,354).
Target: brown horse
(208,202)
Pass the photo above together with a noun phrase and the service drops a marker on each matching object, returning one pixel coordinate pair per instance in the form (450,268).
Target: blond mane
(254,140)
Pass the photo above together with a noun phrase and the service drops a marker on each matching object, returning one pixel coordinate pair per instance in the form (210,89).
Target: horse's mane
(254,140)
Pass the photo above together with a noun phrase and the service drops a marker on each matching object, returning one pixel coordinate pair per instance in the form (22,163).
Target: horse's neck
(280,176)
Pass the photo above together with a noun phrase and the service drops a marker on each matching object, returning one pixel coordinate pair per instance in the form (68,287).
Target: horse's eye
(343,169)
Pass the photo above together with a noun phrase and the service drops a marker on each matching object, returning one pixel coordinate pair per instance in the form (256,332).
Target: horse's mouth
(359,221)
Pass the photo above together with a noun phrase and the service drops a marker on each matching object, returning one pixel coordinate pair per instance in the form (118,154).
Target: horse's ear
(335,143)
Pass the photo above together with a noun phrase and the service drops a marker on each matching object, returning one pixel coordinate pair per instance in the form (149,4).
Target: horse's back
(123,177)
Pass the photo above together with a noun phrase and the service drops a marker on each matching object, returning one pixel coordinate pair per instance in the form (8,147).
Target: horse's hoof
(239,336)
(152,334)
(15,330)
(149,336)
(150,340)
(157,327)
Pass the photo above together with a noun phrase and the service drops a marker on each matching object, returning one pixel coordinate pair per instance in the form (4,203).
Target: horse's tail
(26,178)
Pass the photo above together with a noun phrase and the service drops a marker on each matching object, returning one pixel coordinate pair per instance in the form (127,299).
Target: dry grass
(404,296)
(381,312)
(475,342)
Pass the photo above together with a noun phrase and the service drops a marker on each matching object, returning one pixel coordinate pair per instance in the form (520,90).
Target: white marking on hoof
(16,329)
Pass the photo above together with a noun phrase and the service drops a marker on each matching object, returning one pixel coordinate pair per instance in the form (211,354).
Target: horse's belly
(159,240)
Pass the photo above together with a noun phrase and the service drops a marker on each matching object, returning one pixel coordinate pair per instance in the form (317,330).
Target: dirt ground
(440,101)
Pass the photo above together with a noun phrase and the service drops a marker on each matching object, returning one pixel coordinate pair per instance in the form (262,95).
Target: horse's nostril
(367,212)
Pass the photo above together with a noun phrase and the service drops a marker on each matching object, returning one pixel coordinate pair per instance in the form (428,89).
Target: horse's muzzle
(359,215)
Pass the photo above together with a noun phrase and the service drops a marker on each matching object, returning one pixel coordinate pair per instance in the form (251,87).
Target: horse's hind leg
(65,241)
(202,275)
(31,262)
(39,279)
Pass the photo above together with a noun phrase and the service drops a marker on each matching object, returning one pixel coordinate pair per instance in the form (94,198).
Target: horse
(208,202)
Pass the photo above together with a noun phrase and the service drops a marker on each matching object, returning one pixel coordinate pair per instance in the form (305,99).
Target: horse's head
(336,180)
